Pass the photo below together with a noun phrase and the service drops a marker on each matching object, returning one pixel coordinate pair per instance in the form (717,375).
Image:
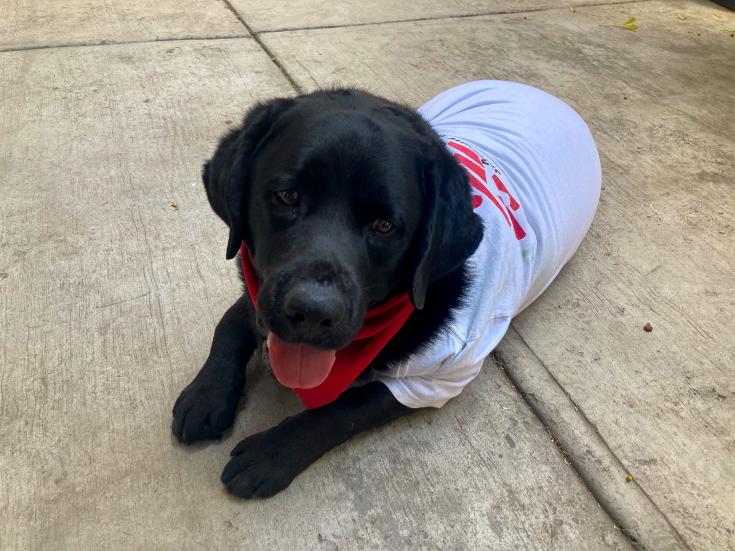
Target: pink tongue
(299,365)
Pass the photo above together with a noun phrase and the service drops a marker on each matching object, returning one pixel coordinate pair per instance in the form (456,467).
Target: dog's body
(344,203)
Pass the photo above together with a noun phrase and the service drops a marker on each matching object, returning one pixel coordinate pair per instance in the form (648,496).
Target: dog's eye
(290,197)
(382,226)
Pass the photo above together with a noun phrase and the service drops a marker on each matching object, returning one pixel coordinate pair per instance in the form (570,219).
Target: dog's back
(542,167)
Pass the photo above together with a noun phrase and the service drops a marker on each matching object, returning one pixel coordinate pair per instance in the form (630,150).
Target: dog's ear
(226,174)
(450,231)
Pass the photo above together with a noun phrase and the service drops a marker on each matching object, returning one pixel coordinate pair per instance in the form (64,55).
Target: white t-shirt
(535,173)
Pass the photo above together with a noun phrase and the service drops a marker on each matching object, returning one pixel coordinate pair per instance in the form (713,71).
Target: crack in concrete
(255,35)
(295,85)
(446,17)
(599,468)
(103,43)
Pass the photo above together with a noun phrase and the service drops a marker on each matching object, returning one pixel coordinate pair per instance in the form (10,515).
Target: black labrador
(343,200)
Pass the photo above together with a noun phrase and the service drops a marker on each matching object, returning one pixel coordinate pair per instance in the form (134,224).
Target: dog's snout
(312,308)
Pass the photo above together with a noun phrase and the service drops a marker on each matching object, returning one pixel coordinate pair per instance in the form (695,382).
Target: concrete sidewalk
(109,294)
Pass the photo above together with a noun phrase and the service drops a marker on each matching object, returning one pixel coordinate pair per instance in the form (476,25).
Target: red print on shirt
(504,201)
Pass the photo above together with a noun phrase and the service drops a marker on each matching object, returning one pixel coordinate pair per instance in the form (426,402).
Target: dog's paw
(262,465)
(203,411)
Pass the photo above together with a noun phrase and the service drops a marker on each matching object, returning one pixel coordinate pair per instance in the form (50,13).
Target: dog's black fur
(352,159)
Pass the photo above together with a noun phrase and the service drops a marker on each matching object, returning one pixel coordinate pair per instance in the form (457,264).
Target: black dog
(343,200)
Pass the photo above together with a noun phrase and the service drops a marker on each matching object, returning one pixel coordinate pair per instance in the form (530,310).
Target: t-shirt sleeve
(435,375)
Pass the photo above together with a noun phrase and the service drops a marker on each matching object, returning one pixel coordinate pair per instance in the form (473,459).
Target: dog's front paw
(203,411)
(262,465)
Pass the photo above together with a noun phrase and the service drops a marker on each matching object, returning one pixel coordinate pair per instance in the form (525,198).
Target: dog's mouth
(301,361)
(298,365)
(305,321)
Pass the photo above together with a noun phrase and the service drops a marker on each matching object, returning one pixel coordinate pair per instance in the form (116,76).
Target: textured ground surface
(109,295)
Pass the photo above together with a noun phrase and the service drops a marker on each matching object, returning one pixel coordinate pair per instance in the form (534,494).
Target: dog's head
(343,200)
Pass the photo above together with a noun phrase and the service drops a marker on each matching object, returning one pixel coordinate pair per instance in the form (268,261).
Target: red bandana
(381,324)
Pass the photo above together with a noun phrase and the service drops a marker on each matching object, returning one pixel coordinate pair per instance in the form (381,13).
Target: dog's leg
(266,463)
(207,407)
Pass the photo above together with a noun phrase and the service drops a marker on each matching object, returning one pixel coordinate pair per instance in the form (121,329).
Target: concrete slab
(659,101)
(109,297)
(282,14)
(600,469)
(36,23)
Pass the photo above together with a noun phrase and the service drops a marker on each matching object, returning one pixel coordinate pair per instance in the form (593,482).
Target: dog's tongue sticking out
(299,365)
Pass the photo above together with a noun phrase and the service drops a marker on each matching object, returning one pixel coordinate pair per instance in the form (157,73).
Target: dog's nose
(312,308)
